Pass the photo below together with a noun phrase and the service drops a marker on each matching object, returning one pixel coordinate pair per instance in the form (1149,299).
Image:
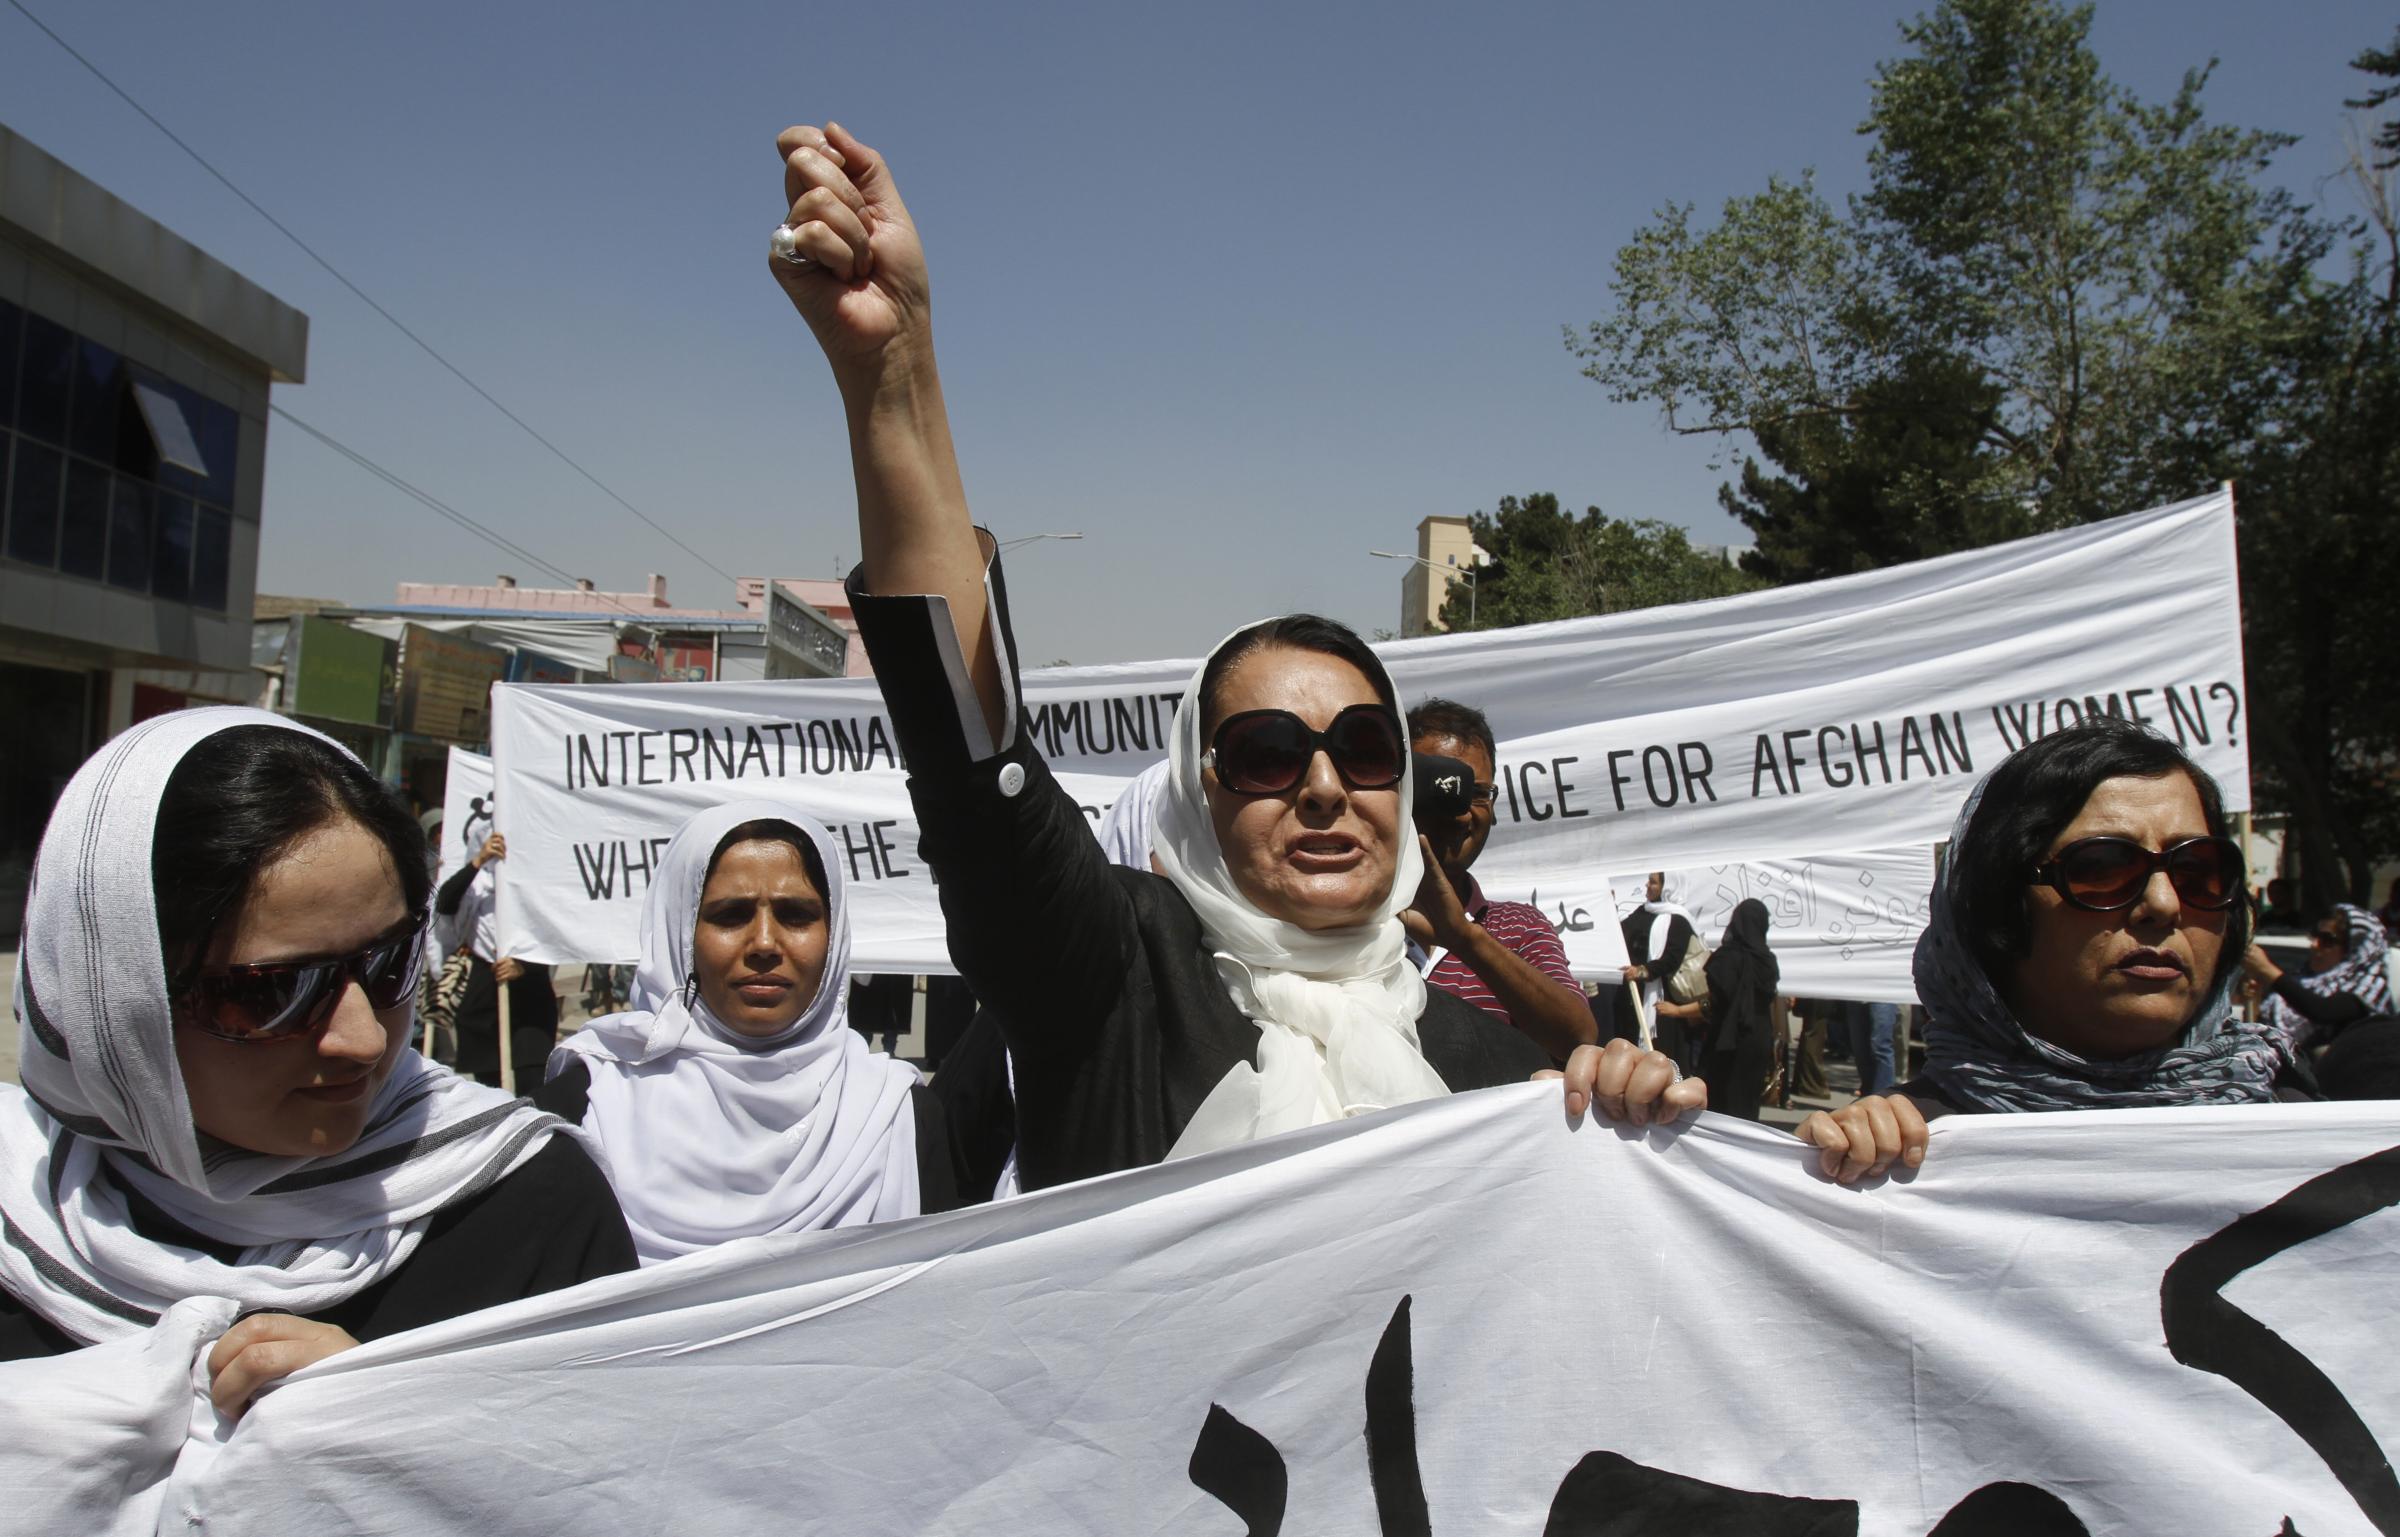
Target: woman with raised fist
(1260,983)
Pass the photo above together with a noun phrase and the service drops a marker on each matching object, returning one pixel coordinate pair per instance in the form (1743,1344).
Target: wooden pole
(508,1056)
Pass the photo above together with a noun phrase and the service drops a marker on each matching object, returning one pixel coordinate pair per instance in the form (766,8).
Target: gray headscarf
(1982,1056)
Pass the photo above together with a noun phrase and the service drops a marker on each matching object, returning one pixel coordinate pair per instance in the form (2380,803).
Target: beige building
(1446,556)
(134,375)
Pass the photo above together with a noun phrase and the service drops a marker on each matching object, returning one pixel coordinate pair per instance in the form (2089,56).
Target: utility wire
(336,273)
(482,531)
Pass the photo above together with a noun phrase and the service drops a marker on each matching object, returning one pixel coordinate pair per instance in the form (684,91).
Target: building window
(83,540)
(44,380)
(129,534)
(171,551)
(12,326)
(92,415)
(33,503)
(212,558)
(159,524)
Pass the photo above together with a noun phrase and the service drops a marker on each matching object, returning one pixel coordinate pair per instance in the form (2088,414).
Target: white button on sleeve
(1012,779)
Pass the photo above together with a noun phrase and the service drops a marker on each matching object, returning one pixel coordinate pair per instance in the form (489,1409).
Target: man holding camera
(1503,957)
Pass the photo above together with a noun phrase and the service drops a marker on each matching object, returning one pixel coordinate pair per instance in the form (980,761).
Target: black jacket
(550,1224)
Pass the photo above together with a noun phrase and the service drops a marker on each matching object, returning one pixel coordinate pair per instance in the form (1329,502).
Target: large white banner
(1846,714)
(1464,1317)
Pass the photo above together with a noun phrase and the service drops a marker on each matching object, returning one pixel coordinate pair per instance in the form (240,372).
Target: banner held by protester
(1853,713)
(1481,1319)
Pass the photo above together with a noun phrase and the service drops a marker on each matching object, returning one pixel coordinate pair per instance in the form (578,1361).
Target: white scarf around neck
(712,1135)
(103,1109)
(1336,1009)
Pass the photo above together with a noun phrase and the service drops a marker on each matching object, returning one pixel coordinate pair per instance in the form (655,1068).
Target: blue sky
(1240,292)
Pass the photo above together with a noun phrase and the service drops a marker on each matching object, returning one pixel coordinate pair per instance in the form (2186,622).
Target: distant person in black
(1262,983)
(1737,1020)
(2281,911)
(466,916)
(220,1098)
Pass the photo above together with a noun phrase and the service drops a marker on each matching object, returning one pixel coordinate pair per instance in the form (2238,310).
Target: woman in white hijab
(1262,984)
(216,989)
(734,1100)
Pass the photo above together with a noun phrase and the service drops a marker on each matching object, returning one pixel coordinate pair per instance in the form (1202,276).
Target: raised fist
(847,253)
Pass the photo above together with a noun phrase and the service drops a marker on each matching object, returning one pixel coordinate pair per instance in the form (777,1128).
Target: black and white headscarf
(103,1112)
(2364,973)
(1982,1055)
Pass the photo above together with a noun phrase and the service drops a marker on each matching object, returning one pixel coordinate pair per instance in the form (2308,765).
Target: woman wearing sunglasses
(216,989)
(2081,955)
(1262,982)
(734,1099)
(2348,978)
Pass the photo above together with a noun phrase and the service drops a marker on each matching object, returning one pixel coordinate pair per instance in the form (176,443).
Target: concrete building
(403,682)
(134,376)
(1447,555)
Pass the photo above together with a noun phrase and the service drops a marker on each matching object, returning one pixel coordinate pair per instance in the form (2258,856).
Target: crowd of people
(1279,927)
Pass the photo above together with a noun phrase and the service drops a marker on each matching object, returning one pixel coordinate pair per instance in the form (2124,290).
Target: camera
(1445,790)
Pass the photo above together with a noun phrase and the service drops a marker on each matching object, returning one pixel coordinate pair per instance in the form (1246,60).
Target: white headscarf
(1336,1008)
(712,1135)
(103,1110)
(1125,832)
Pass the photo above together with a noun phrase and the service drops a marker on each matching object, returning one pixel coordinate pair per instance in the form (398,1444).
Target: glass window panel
(12,326)
(212,558)
(171,552)
(83,536)
(99,390)
(129,534)
(219,429)
(43,379)
(33,503)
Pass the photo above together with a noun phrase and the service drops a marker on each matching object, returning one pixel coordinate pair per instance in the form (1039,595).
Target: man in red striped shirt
(1503,957)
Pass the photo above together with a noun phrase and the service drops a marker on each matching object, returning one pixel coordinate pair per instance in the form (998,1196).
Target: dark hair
(772,830)
(1460,722)
(1300,632)
(2033,794)
(237,802)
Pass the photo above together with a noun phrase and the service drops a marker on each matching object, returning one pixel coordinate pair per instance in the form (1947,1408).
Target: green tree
(2319,506)
(2109,268)
(1548,564)
(1903,476)
(2056,301)
(2383,63)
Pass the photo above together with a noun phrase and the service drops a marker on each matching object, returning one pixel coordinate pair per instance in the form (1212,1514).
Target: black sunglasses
(1266,752)
(2321,937)
(2107,875)
(279,1001)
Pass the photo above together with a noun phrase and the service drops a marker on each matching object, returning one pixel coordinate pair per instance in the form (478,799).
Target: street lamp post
(1458,573)
(1010,544)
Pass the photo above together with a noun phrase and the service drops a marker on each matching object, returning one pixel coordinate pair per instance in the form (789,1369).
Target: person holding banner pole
(507,1018)
(2085,937)
(1262,983)
(1660,934)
